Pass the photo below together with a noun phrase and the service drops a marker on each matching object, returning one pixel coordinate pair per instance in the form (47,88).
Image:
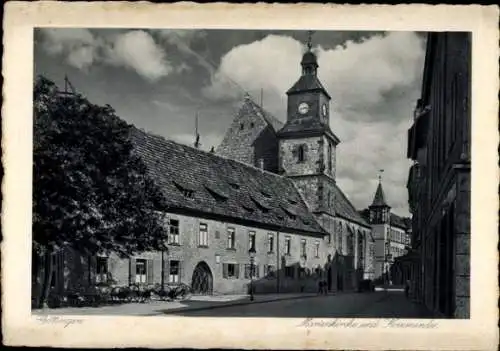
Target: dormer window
(290,213)
(184,189)
(260,205)
(266,194)
(217,194)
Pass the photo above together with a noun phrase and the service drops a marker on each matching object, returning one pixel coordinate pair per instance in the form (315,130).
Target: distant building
(439,180)
(392,235)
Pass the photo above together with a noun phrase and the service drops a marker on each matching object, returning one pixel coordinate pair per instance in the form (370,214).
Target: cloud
(79,46)
(135,50)
(265,64)
(374,84)
(174,36)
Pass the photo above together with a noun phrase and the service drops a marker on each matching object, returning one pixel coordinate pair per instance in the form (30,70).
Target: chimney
(261,163)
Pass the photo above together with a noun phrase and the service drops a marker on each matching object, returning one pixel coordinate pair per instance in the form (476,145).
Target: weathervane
(380,175)
(309,39)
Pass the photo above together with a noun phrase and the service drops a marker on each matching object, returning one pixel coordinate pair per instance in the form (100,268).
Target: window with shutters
(174,272)
(140,271)
(174,232)
(270,243)
(288,245)
(203,235)
(230,238)
(230,271)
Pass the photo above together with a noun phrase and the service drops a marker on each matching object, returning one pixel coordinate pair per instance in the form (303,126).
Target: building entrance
(202,282)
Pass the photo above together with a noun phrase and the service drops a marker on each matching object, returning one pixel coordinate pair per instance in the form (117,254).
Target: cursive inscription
(359,323)
(59,320)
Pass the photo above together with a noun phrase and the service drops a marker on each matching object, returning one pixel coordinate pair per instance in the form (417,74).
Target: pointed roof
(252,106)
(307,83)
(379,199)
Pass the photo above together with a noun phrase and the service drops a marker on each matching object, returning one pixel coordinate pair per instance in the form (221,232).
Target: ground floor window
(174,272)
(101,269)
(230,270)
(249,273)
(270,271)
(140,271)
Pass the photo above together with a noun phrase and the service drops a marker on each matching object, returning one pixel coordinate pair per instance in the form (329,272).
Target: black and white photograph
(249,184)
(251,173)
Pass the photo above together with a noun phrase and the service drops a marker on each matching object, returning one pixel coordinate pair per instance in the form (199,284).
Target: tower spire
(309,62)
(379,198)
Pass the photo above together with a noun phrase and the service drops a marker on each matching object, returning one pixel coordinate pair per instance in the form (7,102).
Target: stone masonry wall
(217,253)
(250,138)
(462,245)
(288,156)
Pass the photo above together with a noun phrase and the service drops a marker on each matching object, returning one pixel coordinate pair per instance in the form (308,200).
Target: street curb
(241,303)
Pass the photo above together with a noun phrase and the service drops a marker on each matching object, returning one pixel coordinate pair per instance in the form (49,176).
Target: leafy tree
(91,191)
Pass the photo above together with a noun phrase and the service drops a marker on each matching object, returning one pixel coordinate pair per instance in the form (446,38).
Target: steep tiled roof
(307,82)
(345,209)
(379,198)
(204,182)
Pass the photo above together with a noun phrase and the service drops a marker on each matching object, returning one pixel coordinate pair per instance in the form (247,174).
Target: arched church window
(301,153)
(330,157)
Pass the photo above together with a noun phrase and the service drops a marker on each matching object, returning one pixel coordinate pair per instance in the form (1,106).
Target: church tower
(380,212)
(306,143)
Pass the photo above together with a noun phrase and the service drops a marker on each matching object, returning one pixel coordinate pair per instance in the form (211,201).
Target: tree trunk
(47,279)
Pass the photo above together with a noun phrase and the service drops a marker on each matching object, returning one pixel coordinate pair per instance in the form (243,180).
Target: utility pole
(197,135)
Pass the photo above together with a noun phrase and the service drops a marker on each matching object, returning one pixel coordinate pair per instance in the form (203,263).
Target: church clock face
(324,110)
(303,108)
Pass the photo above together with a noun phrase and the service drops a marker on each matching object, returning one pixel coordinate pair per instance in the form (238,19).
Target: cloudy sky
(159,79)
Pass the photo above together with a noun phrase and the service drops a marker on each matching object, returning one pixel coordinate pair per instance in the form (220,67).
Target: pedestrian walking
(320,287)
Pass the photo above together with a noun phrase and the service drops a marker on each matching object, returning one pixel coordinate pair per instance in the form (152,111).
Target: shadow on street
(356,305)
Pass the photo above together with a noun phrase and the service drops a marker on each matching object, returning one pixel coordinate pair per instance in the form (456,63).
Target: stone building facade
(439,180)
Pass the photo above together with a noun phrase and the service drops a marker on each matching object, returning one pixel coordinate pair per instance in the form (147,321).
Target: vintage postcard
(250,176)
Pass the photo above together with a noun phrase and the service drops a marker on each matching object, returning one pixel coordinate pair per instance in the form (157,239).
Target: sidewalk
(165,307)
